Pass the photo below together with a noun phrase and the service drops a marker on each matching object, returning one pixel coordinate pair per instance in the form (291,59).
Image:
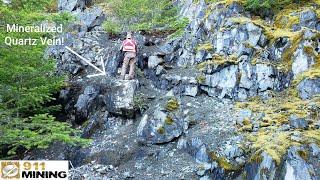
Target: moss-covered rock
(162,122)
(207,47)
(271,138)
(224,163)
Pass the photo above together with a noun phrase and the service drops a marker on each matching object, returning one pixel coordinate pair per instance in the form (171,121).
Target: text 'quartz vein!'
(15,28)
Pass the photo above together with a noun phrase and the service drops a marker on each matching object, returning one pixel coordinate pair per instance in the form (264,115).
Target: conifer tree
(28,82)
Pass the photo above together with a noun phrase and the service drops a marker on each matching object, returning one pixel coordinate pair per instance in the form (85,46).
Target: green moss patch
(224,163)
(207,47)
(218,60)
(277,109)
(161,130)
(169,120)
(303,154)
(201,79)
(270,138)
(273,143)
(172,104)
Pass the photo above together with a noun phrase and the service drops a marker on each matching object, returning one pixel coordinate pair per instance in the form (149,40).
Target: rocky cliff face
(180,118)
(239,56)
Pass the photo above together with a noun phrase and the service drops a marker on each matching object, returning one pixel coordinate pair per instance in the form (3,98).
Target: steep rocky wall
(242,56)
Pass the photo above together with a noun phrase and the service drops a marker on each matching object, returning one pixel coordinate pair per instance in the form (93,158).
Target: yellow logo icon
(10,170)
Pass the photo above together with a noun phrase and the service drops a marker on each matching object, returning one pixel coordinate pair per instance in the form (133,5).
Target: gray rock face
(265,170)
(154,61)
(161,124)
(71,5)
(236,80)
(247,42)
(196,148)
(308,88)
(298,123)
(265,76)
(308,19)
(301,60)
(315,149)
(93,46)
(94,123)
(85,102)
(221,83)
(296,167)
(233,152)
(91,18)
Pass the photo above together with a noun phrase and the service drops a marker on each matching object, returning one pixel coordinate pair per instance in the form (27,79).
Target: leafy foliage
(34,5)
(143,15)
(111,26)
(256,5)
(28,82)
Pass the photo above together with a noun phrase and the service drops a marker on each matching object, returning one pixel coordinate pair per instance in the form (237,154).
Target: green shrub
(262,5)
(34,5)
(111,26)
(137,15)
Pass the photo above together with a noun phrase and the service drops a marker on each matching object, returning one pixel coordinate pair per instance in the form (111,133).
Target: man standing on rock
(129,46)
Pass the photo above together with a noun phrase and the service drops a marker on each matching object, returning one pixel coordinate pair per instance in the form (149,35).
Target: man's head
(129,35)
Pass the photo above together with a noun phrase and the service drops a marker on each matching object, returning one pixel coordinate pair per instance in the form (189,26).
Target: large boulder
(161,123)
(119,99)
